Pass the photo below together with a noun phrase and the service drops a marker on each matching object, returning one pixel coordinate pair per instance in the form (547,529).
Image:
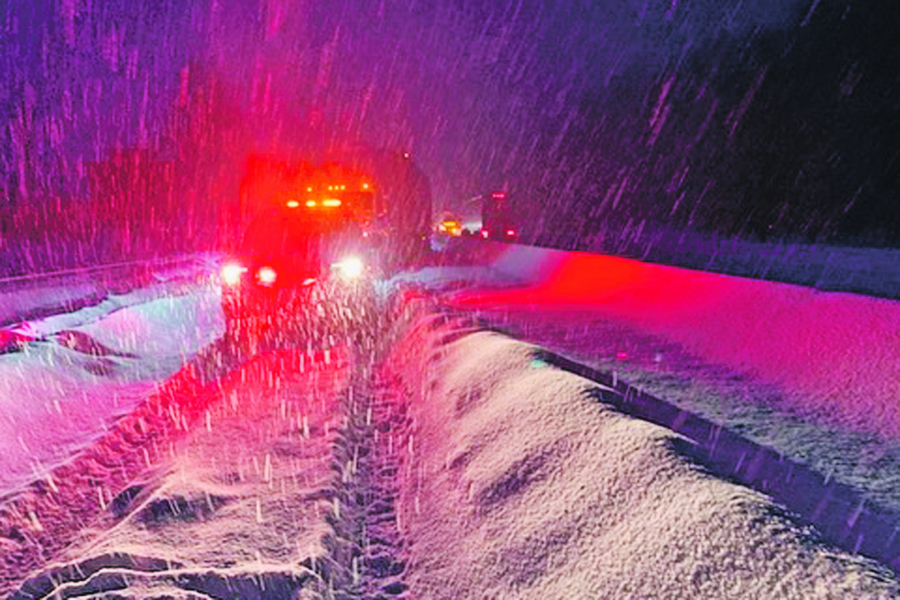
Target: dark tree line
(791,133)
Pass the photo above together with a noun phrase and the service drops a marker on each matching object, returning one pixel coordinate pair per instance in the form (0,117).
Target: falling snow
(233,235)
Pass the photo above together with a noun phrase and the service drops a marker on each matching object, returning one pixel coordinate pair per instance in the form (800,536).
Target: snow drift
(33,296)
(517,483)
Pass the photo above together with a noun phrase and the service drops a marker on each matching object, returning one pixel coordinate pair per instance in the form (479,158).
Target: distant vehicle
(450,226)
(496,219)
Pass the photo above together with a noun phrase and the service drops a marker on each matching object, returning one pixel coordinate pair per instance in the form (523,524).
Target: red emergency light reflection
(808,343)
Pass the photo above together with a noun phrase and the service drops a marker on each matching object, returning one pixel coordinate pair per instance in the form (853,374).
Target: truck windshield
(299,235)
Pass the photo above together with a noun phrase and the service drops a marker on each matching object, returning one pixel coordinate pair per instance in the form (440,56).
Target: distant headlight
(232,273)
(350,268)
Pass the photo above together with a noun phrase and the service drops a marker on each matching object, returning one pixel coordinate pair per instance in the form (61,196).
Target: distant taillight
(331,202)
(232,273)
(310,203)
(266,275)
(292,204)
(510,232)
(484,234)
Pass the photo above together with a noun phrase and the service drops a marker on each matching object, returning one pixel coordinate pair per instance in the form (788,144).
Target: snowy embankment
(813,375)
(518,480)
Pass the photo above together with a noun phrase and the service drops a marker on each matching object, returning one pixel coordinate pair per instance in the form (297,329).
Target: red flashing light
(498,195)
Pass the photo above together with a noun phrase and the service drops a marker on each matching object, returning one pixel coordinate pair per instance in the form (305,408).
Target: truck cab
(301,243)
(496,218)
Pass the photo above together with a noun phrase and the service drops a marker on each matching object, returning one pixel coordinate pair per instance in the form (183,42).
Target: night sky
(563,102)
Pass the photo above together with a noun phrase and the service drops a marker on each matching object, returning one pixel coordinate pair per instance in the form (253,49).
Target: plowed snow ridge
(516,484)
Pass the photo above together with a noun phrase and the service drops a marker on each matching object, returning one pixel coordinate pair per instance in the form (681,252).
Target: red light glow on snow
(828,352)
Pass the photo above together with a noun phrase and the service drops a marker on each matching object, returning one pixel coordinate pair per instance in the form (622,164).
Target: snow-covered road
(457,426)
(91,366)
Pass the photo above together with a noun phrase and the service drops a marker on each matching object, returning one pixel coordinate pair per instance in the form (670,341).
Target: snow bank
(832,354)
(517,483)
(93,365)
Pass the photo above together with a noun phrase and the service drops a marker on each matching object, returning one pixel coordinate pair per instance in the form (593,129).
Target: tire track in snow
(365,544)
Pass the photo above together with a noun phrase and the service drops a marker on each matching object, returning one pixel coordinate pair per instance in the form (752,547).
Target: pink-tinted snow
(833,354)
(516,484)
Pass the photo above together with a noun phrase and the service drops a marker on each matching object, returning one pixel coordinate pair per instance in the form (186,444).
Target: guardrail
(27,297)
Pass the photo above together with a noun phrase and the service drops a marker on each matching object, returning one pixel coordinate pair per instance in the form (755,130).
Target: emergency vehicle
(302,228)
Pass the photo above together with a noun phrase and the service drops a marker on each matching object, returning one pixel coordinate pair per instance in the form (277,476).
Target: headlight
(350,268)
(266,276)
(232,273)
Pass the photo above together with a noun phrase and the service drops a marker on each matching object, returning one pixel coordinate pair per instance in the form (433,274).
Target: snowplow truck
(381,198)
